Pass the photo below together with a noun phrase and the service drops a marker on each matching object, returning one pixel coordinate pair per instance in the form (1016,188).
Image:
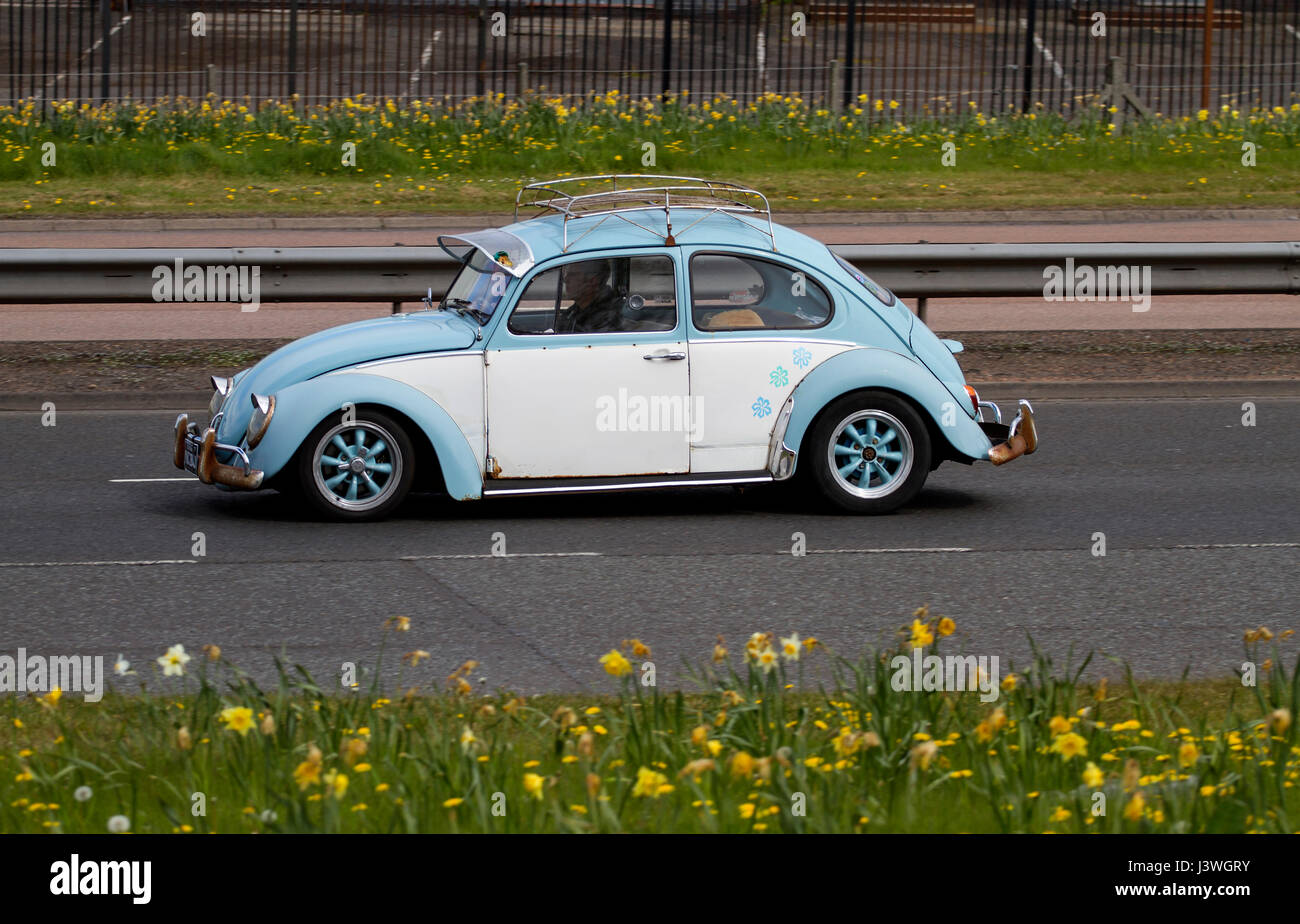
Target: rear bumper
(204,447)
(1019,439)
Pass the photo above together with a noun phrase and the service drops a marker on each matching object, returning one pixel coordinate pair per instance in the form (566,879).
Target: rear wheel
(869,452)
(359,469)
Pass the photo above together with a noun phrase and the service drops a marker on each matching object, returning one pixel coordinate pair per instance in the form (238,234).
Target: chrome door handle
(664,356)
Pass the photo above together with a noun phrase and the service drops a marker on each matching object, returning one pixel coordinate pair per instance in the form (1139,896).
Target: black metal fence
(928,55)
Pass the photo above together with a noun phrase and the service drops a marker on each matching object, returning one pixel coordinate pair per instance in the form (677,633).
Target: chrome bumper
(209,470)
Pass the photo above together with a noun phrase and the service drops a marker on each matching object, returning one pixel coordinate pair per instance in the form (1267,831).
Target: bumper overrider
(1020,439)
(196,450)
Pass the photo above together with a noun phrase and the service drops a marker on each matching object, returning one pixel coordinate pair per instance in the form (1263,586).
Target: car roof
(546,235)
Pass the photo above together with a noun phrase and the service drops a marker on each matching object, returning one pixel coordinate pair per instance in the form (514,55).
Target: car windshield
(866,281)
(477,288)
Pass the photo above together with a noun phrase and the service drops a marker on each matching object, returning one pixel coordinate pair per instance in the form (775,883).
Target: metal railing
(397,275)
(929,55)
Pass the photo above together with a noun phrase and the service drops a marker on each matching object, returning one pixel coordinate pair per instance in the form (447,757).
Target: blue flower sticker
(762,407)
(779,376)
(802,357)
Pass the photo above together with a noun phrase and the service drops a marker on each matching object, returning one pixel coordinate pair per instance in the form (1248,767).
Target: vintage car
(637,332)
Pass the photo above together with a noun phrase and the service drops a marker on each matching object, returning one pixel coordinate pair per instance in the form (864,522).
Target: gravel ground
(1011,356)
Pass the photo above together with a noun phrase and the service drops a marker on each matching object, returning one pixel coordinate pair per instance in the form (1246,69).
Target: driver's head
(582,281)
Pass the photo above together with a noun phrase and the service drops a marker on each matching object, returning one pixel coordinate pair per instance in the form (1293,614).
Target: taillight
(974,400)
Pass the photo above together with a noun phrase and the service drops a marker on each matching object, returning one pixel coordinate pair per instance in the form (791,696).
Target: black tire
(890,482)
(397,453)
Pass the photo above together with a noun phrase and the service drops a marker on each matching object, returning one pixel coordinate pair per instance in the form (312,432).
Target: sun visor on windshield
(500,247)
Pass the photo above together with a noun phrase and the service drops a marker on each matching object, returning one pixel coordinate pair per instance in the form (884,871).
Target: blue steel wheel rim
(357,465)
(870,454)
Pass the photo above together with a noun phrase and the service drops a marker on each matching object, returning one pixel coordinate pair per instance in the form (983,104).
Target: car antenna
(428,299)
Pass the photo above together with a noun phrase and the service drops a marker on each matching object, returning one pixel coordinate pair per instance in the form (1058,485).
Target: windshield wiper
(464,307)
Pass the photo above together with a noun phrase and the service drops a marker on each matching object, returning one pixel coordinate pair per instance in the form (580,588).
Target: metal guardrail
(403,274)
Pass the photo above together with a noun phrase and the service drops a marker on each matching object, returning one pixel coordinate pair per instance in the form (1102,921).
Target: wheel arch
(301,407)
(876,369)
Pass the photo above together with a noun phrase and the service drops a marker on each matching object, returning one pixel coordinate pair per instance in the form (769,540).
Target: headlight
(263,410)
(220,388)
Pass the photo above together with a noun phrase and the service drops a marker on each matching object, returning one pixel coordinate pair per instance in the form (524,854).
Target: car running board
(507,487)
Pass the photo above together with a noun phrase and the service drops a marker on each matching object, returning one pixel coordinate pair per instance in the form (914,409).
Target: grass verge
(756,749)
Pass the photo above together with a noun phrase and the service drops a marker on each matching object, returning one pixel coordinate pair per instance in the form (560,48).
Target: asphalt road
(1199,513)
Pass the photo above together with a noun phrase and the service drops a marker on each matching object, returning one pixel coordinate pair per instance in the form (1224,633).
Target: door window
(601,296)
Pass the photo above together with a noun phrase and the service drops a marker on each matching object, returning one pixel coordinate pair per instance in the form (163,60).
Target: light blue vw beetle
(637,332)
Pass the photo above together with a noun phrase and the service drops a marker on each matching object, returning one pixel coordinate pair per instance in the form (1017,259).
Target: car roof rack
(627,194)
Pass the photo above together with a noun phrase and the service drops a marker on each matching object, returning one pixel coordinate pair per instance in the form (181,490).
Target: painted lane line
(876,551)
(1242,545)
(510,555)
(143,480)
(87,564)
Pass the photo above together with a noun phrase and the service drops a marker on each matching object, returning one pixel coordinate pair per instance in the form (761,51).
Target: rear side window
(730,292)
(879,291)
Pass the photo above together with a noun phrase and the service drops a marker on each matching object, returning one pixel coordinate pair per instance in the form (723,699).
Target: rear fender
(871,367)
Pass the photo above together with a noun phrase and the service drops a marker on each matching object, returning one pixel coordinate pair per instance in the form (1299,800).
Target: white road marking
(86,564)
(142,480)
(88,52)
(876,551)
(510,555)
(1242,545)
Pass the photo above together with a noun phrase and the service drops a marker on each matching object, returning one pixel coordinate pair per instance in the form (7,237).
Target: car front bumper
(195,450)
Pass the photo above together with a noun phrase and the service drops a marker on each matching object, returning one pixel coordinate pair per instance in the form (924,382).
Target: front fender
(299,408)
(871,367)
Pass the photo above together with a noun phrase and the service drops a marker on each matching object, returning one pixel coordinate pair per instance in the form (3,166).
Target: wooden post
(521,84)
(835,100)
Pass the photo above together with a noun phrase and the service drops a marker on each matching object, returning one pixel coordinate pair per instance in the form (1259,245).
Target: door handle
(664,356)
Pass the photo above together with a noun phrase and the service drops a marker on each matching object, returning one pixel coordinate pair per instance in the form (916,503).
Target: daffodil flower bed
(202,748)
(382,155)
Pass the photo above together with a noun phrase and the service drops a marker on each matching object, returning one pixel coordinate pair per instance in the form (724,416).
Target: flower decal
(779,377)
(761,407)
(802,357)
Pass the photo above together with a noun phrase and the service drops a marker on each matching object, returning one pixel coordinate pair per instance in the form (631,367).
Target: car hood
(337,347)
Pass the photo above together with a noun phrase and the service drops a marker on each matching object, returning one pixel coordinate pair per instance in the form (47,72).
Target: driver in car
(596,307)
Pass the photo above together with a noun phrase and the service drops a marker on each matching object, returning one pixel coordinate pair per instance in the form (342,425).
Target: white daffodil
(122,666)
(174,661)
(790,647)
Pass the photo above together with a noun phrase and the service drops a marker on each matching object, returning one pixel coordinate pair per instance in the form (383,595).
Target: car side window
(730,292)
(601,296)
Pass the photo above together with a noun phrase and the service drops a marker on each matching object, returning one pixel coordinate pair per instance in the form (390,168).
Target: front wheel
(356,469)
(869,452)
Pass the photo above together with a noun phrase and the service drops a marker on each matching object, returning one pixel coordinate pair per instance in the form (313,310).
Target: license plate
(192,453)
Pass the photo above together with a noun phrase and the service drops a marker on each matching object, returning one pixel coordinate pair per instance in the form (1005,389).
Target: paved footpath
(150,321)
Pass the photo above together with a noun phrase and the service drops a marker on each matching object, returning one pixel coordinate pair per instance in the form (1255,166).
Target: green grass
(751,750)
(275,158)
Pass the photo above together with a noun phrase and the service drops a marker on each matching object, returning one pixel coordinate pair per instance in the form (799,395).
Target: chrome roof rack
(623,194)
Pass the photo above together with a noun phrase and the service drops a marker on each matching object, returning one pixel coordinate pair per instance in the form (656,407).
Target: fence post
(850,47)
(668,49)
(522,82)
(105,59)
(832,97)
(1207,53)
(212,82)
(480,85)
(1030,25)
(293,47)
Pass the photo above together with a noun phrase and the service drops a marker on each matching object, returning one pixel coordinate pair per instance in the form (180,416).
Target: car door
(589,375)
(758,325)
